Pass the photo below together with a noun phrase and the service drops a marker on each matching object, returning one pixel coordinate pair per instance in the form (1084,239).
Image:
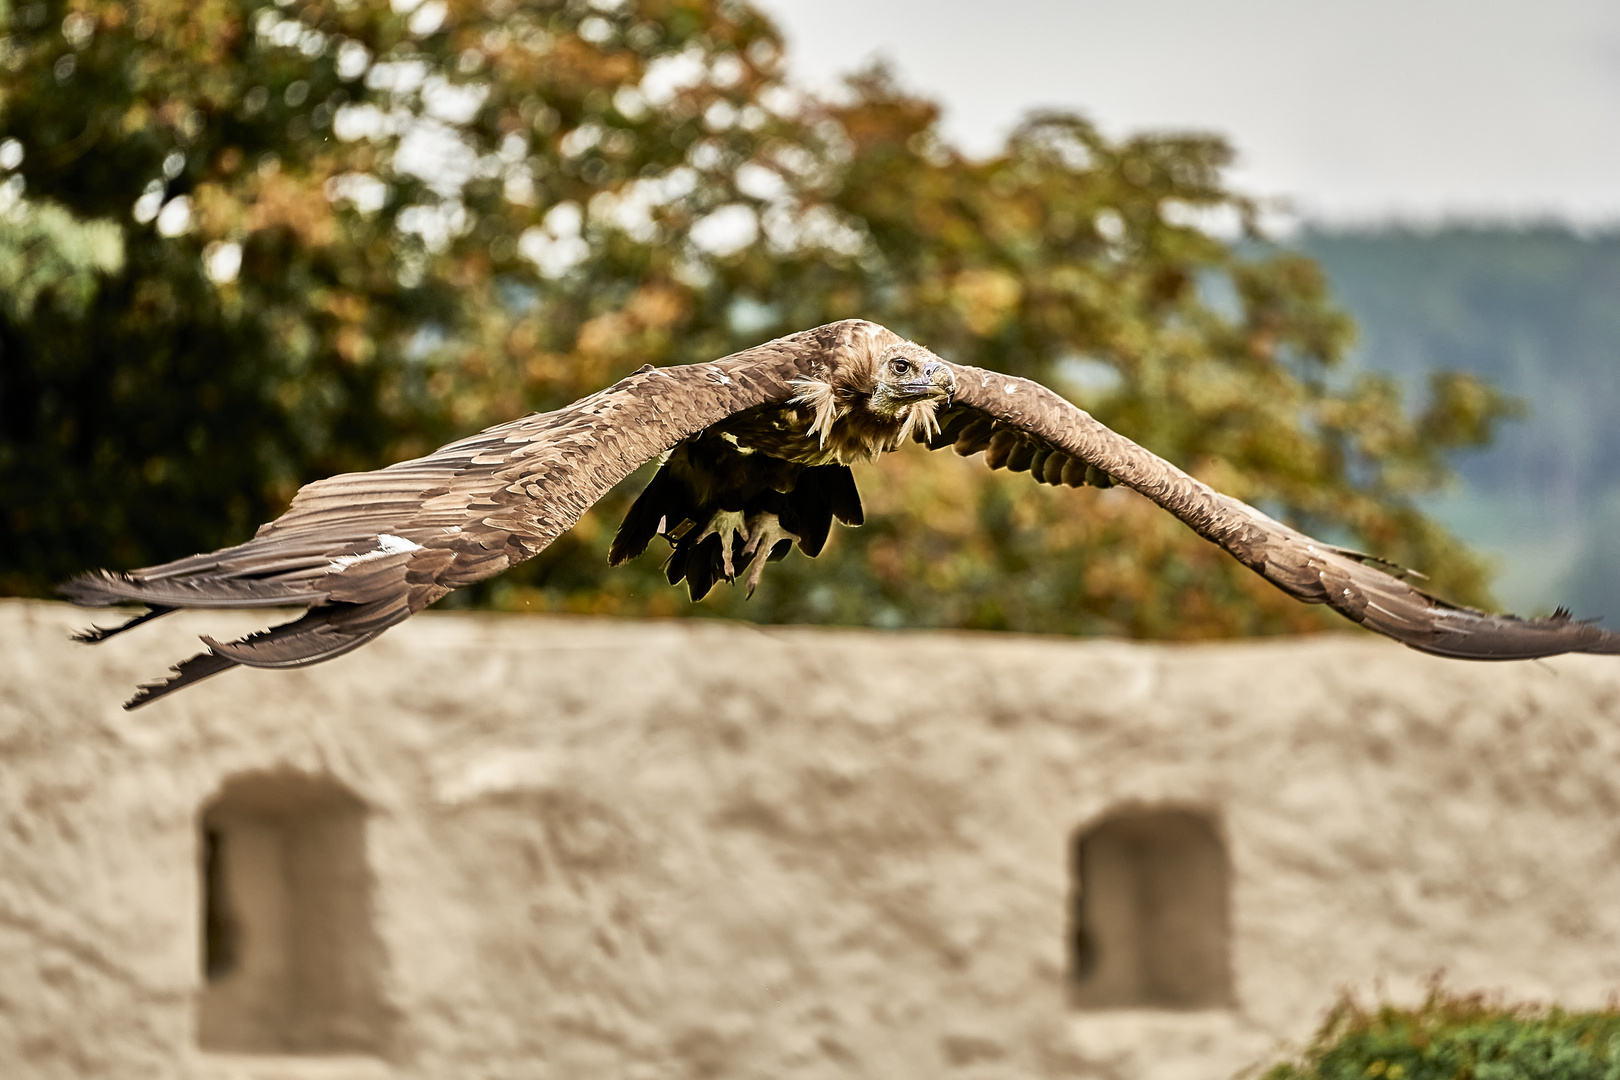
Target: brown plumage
(757,448)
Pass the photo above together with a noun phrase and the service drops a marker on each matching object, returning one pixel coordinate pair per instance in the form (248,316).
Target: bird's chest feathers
(806,434)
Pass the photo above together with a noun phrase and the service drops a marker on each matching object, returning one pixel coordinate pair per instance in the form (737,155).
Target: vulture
(755,452)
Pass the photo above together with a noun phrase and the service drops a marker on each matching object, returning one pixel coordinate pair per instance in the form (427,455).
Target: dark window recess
(1150,913)
(289,954)
(220,932)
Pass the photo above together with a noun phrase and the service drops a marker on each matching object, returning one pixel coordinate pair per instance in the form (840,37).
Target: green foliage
(351,233)
(47,252)
(1460,1037)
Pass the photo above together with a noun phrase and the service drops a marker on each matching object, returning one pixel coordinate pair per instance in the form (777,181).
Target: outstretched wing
(1021,425)
(366,550)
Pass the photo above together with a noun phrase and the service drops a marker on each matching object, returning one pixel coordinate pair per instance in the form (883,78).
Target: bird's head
(878,385)
(909,384)
(907,379)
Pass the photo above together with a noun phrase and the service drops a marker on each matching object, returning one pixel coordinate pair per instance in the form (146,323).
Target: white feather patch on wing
(387,544)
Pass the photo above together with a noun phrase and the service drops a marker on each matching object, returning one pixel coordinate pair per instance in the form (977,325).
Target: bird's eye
(901,366)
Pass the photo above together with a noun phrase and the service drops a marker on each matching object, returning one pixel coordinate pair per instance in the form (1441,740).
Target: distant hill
(1537,310)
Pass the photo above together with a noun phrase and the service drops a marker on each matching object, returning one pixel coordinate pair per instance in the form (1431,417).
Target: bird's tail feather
(304,641)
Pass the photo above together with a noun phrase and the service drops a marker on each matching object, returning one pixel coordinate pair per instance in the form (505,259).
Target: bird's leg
(724,524)
(765,531)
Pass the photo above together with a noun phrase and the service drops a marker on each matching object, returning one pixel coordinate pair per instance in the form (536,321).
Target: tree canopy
(249,244)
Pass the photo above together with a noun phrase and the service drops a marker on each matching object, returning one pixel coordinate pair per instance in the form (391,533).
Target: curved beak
(934,380)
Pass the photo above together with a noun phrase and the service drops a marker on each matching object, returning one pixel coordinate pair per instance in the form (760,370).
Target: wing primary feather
(267,649)
(102,588)
(187,672)
(99,633)
(975,436)
(1037,462)
(951,425)
(1000,447)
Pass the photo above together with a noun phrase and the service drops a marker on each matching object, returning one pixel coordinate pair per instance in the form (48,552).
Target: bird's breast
(779,433)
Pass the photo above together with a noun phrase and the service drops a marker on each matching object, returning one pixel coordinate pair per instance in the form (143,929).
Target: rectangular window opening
(290,958)
(1151,913)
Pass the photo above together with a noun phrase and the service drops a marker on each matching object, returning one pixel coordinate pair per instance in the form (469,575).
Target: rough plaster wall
(663,850)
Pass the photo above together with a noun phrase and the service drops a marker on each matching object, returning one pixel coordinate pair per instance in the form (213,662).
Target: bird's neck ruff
(857,425)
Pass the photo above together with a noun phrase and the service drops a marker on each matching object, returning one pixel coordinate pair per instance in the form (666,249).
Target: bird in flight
(756,451)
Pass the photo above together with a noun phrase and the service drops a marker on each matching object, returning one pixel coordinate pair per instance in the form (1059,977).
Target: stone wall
(514,847)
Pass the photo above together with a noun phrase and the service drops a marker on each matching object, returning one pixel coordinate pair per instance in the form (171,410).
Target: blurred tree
(350,231)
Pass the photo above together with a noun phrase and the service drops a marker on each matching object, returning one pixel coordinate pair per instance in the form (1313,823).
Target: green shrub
(1460,1037)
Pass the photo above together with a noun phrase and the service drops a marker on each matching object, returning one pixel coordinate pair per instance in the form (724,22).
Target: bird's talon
(765,531)
(725,524)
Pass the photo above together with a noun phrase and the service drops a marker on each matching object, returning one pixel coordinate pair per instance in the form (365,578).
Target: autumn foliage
(260,243)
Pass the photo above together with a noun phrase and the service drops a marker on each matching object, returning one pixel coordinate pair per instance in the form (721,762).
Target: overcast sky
(1357,109)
